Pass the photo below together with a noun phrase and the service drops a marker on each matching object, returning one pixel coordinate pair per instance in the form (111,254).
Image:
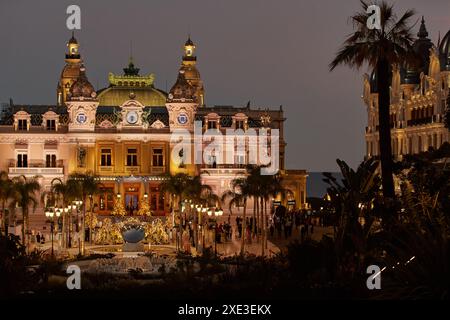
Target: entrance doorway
(131,199)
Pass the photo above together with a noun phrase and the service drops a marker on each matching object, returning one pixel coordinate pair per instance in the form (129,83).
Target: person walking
(271,228)
(186,242)
(38,238)
(249,234)
(303,232)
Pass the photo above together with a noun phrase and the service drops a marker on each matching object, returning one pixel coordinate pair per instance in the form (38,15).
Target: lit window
(105,159)
(22,160)
(132,157)
(157,157)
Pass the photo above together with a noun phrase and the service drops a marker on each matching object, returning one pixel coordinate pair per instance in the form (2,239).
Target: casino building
(123,134)
(418,100)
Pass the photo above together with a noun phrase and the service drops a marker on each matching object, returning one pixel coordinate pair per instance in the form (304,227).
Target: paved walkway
(233,247)
(228,248)
(318,232)
(275,244)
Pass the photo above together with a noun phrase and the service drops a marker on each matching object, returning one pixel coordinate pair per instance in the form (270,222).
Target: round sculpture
(133,233)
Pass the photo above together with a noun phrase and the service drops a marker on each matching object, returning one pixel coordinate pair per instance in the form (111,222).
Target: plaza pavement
(275,244)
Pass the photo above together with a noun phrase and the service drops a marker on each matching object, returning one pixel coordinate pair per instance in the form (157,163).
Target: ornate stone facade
(418,100)
(123,133)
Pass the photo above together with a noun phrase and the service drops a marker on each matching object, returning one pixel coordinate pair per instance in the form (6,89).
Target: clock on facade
(81,118)
(132,117)
(182,118)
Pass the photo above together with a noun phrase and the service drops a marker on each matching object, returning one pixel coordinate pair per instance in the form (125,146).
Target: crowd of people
(281,224)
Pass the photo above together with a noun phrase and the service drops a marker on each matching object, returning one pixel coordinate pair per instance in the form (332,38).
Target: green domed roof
(131,85)
(116,96)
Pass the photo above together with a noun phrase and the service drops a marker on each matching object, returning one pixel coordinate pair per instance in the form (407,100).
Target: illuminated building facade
(418,100)
(123,134)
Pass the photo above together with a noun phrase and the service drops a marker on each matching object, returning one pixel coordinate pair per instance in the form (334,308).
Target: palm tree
(6,194)
(66,193)
(256,187)
(262,188)
(25,191)
(380,48)
(352,198)
(238,195)
(199,193)
(175,186)
(271,187)
(88,185)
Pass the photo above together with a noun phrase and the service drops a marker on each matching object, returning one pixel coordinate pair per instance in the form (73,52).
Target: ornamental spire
(423,33)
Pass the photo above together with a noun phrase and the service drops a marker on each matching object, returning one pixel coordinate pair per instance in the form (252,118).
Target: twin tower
(76,92)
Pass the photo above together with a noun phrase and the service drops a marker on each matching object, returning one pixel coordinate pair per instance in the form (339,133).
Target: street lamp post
(78,204)
(64,228)
(71,208)
(204,211)
(197,221)
(51,214)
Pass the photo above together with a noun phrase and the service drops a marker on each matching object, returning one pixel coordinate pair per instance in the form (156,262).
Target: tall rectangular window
(132,157)
(22,160)
(51,125)
(240,159)
(22,125)
(212,124)
(240,124)
(105,158)
(157,157)
(50,160)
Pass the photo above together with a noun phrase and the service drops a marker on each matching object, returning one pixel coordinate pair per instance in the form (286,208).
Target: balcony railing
(132,169)
(224,169)
(158,170)
(36,171)
(421,121)
(106,169)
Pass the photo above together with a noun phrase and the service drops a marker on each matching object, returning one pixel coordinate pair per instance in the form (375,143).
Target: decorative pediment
(106,124)
(21,144)
(131,111)
(132,104)
(50,115)
(22,115)
(82,115)
(158,124)
(212,116)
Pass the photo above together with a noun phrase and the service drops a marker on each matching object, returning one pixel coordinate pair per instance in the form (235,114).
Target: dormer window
(51,125)
(212,121)
(240,121)
(50,121)
(22,125)
(212,124)
(22,121)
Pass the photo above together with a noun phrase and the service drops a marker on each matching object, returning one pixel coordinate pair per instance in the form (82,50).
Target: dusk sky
(270,52)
